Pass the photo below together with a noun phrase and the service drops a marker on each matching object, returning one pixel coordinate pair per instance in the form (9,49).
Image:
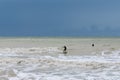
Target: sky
(60,18)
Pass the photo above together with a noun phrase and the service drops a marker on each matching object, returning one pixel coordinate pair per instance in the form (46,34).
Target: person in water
(65,50)
(93,45)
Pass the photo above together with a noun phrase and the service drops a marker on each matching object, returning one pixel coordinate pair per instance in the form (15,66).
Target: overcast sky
(59,17)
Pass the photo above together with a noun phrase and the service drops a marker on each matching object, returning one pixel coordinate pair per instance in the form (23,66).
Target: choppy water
(25,61)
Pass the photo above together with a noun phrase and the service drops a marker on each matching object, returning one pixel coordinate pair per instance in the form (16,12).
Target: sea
(42,58)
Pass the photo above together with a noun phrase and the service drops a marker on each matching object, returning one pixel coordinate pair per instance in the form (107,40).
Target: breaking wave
(33,66)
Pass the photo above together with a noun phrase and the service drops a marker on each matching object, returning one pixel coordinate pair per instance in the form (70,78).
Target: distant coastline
(60,37)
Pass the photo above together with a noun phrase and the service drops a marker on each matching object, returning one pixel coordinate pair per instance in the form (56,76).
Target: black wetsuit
(93,45)
(65,48)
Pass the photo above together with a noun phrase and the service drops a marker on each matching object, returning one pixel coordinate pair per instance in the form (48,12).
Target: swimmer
(93,45)
(65,50)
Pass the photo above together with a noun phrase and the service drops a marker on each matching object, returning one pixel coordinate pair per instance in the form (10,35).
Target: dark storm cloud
(59,17)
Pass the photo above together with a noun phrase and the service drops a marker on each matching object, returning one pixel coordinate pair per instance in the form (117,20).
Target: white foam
(101,67)
(111,53)
(23,51)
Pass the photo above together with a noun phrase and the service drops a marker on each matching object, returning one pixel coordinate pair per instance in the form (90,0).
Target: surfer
(65,50)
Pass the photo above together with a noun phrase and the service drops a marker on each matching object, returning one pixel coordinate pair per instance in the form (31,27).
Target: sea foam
(61,67)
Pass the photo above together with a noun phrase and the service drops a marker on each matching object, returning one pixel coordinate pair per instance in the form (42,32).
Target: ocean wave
(110,53)
(29,50)
(60,67)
